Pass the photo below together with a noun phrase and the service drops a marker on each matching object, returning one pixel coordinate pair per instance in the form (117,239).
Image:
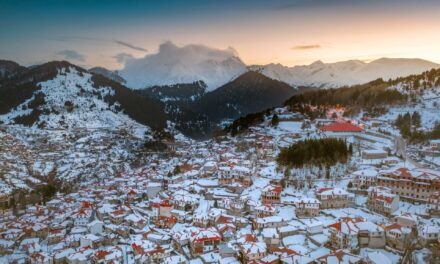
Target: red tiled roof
(393,226)
(345,220)
(338,254)
(136,247)
(251,238)
(278,189)
(163,203)
(186,167)
(321,190)
(132,192)
(224,219)
(386,199)
(101,254)
(336,226)
(341,127)
(286,251)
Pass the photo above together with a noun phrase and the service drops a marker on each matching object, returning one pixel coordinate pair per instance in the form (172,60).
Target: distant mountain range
(318,74)
(344,73)
(188,64)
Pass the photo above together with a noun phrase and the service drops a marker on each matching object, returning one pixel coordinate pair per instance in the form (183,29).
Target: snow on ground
(290,126)
(428,106)
(355,212)
(385,257)
(254,192)
(405,207)
(71,101)
(287,212)
(270,171)
(429,118)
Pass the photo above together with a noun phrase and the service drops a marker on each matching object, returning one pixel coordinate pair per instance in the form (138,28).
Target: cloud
(129,45)
(122,57)
(71,55)
(183,64)
(98,40)
(307,47)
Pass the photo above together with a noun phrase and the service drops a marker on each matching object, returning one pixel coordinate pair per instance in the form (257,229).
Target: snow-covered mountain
(62,95)
(319,74)
(187,64)
(112,75)
(70,101)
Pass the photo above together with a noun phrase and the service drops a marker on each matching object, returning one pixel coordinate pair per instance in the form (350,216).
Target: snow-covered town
(226,200)
(219,132)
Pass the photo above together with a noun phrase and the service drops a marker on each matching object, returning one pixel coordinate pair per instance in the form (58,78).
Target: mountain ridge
(344,73)
(245,94)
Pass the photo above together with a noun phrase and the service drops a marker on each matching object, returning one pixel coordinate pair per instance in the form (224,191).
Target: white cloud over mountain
(173,64)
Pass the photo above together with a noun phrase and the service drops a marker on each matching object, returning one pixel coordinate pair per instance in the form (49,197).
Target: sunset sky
(105,32)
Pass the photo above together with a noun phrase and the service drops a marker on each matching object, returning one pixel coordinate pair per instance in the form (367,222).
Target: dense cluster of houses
(228,202)
(28,155)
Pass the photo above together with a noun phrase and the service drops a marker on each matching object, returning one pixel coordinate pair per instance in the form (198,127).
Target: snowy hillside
(173,65)
(319,74)
(70,101)
(424,94)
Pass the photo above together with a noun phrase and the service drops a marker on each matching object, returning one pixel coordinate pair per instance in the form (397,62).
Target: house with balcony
(433,205)
(271,194)
(332,197)
(344,233)
(307,207)
(381,200)
(252,251)
(397,236)
(363,179)
(204,240)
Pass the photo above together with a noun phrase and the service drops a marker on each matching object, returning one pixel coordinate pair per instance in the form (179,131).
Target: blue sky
(94,33)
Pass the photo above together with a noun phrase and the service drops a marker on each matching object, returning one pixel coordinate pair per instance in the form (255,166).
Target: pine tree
(176,170)
(416,119)
(327,172)
(275,120)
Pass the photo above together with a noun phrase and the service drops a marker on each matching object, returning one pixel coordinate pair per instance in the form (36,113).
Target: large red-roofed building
(415,184)
(341,127)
